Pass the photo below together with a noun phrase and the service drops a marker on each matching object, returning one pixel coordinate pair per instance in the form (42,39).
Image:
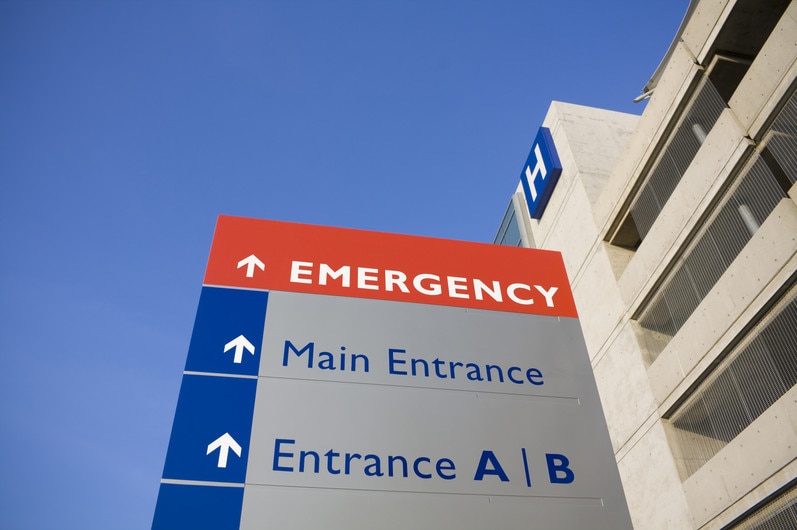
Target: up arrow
(224,443)
(251,262)
(240,343)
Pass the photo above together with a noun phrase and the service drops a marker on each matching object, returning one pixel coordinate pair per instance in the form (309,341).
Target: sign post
(345,379)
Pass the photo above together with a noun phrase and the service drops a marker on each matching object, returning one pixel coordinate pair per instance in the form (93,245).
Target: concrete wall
(653,489)
(769,78)
(680,76)
(605,157)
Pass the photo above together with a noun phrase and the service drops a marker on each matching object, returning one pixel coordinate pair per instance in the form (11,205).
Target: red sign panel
(280,256)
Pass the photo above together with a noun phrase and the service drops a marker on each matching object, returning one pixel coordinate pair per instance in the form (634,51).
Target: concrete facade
(676,473)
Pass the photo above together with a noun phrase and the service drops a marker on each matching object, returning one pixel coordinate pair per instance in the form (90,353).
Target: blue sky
(126,127)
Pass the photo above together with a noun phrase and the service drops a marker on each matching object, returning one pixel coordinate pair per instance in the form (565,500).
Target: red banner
(280,256)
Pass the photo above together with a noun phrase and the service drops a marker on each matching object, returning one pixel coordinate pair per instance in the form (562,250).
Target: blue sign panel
(211,430)
(228,332)
(198,507)
(541,173)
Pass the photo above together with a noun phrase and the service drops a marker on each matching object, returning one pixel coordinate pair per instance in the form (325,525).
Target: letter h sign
(540,173)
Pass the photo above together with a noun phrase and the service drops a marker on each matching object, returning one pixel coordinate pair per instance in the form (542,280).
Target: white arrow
(251,262)
(224,443)
(240,343)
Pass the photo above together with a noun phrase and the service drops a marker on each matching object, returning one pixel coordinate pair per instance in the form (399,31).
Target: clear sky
(127,126)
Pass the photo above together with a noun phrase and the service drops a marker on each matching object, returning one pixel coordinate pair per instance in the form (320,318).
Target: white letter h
(539,168)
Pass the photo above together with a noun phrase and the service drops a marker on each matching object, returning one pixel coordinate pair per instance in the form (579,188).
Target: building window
(511,230)
(762,183)
(712,250)
(674,158)
(779,513)
(755,373)
(738,43)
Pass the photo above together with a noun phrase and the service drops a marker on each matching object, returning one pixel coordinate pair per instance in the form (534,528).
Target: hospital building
(678,229)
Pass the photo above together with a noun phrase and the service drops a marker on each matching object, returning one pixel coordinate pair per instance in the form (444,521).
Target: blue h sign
(541,173)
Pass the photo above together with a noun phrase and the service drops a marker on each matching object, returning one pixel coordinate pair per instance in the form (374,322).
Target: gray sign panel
(367,407)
